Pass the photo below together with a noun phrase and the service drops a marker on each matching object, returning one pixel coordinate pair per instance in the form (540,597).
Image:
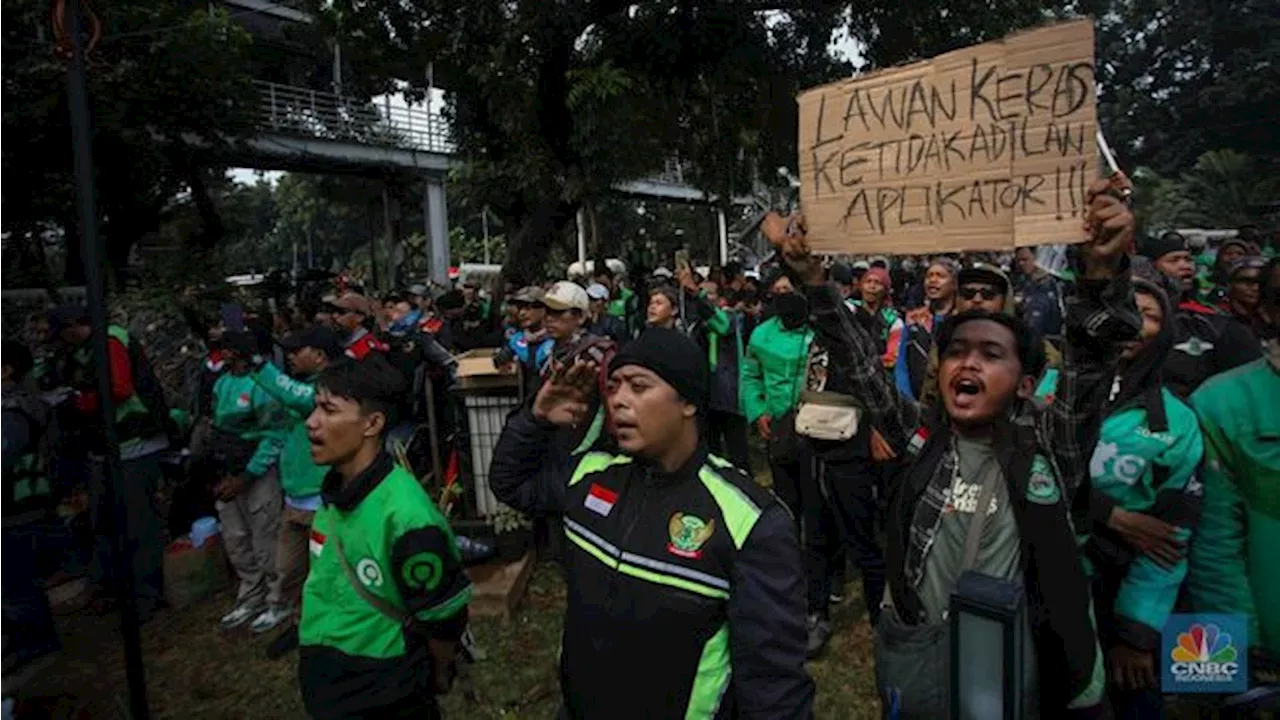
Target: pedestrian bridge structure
(304,130)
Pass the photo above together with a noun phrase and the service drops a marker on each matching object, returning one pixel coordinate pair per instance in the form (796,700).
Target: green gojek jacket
(773,369)
(1141,470)
(355,661)
(299,474)
(1235,559)
(243,409)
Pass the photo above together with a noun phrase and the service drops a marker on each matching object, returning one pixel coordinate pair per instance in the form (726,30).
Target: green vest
(133,420)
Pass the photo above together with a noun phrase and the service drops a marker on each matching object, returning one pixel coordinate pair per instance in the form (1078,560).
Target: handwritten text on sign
(991,146)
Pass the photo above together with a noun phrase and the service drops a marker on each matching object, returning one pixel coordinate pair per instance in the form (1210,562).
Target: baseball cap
(419,290)
(842,273)
(316,336)
(663,273)
(566,295)
(985,274)
(596,291)
(862,265)
(530,294)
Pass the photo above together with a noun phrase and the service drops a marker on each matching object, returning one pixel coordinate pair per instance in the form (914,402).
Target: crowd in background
(1160,533)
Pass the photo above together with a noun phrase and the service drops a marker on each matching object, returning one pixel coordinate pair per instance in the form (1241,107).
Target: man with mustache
(686,594)
(1206,341)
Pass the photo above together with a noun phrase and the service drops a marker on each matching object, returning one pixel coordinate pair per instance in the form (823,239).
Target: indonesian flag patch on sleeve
(600,500)
(918,440)
(317,542)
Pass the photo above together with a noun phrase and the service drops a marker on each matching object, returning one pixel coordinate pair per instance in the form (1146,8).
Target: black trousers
(852,490)
(795,483)
(727,437)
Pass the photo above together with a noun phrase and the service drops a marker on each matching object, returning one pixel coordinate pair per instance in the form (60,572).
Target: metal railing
(291,110)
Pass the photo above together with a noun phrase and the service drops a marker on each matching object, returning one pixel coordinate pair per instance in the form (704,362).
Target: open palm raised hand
(564,398)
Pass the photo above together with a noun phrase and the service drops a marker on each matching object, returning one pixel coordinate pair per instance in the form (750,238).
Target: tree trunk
(527,249)
(212,229)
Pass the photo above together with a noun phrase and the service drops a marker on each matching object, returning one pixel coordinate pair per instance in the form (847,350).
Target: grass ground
(197,672)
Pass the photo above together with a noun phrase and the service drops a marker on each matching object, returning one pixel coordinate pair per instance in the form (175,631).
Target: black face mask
(792,310)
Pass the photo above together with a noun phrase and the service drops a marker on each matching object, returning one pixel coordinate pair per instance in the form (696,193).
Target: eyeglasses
(984,292)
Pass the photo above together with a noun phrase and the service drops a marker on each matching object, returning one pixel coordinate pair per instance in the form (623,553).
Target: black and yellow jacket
(686,589)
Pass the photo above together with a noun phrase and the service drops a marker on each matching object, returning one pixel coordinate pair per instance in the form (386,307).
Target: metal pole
(337,69)
(373,254)
(484,224)
(724,236)
(91,252)
(387,230)
(582,240)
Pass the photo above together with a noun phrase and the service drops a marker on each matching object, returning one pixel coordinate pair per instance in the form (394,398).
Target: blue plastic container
(202,530)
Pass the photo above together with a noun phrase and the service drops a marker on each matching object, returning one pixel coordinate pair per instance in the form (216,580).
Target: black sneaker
(283,644)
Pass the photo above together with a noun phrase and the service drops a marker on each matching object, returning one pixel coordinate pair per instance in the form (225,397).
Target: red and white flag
(600,500)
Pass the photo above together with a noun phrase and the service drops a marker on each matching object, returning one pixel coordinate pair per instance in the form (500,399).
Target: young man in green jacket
(248,432)
(1233,560)
(770,381)
(308,352)
(386,599)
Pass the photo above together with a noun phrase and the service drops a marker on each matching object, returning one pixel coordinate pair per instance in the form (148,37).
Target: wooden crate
(498,587)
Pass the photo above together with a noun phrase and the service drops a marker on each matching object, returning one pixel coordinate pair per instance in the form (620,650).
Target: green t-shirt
(999,554)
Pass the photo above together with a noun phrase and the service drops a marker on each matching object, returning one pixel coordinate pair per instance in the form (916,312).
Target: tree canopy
(1179,78)
(552,103)
(164,73)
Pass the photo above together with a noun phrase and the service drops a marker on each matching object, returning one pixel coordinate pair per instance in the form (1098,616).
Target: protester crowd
(1115,424)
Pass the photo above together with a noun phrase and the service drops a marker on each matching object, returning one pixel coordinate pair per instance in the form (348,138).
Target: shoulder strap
(974,538)
(385,608)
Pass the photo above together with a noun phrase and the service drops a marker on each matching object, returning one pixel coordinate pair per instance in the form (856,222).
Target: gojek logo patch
(1206,653)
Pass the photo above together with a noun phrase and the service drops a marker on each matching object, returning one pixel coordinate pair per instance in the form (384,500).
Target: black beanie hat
(672,356)
(1157,247)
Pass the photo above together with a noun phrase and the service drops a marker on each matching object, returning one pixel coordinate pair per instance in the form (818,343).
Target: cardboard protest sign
(988,147)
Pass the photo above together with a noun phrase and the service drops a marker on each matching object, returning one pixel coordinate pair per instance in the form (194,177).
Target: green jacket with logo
(355,661)
(1234,559)
(1152,471)
(773,369)
(299,474)
(242,409)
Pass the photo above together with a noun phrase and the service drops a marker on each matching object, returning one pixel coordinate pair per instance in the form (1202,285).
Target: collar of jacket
(690,468)
(347,498)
